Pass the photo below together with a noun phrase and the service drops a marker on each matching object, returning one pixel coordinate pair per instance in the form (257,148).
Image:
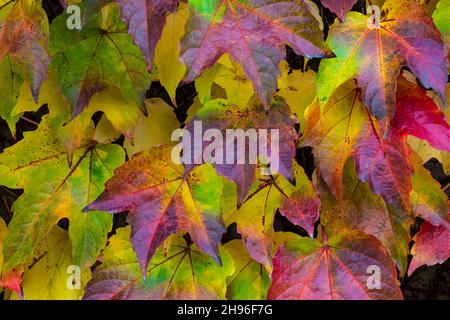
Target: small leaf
(340,7)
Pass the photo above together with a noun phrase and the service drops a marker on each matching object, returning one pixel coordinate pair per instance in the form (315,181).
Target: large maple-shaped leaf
(277,142)
(179,271)
(360,209)
(333,133)
(418,115)
(374,55)
(384,164)
(255,217)
(53,190)
(432,246)
(161,201)
(254,33)
(340,7)
(24,36)
(335,269)
(100,56)
(146,20)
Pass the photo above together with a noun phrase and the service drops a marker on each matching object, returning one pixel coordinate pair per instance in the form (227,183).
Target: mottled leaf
(374,55)
(162,201)
(336,269)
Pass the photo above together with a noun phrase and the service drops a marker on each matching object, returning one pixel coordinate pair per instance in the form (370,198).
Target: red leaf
(418,115)
(306,269)
(384,164)
(432,246)
(162,201)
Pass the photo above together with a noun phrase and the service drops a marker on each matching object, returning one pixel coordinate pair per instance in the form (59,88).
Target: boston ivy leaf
(418,115)
(334,269)
(255,217)
(24,36)
(101,55)
(360,209)
(375,54)
(254,34)
(47,277)
(432,246)
(340,7)
(180,272)
(384,164)
(161,201)
(333,135)
(146,20)
(53,190)
(220,115)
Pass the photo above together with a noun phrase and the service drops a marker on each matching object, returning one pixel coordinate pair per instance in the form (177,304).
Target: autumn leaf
(52,191)
(110,60)
(440,17)
(308,269)
(146,20)
(374,55)
(220,115)
(334,133)
(360,209)
(254,34)
(24,59)
(340,7)
(161,201)
(183,272)
(432,246)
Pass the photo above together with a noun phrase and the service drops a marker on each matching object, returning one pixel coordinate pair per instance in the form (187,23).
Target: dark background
(425,283)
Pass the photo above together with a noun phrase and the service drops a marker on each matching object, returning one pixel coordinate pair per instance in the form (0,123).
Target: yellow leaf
(171,69)
(154,129)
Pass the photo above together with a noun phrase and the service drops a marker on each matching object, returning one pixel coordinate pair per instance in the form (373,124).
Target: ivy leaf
(360,209)
(24,37)
(110,60)
(340,7)
(146,20)
(432,246)
(313,270)
(418,115)
(384,165)
(254,33)
(52,191)
(375,55)
(333,134)
(220,115)
(182,272)
(255,217)
(161,201)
